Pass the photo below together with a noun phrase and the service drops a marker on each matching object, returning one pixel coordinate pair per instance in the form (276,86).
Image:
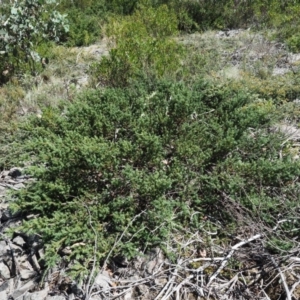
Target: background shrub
(142,46)
(86,19)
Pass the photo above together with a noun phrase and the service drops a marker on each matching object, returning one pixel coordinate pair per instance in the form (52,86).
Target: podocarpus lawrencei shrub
(141,161)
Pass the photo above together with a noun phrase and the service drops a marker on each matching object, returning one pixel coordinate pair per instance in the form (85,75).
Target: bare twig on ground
(228,256)
(286,288)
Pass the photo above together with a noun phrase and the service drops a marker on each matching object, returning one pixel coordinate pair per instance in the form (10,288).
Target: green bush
(140,161)
(84,28)
(293,42)
(143,46)
(86,18)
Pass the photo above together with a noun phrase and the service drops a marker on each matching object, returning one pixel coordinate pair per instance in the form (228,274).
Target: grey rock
(41,253)
(4,174)
(128,295)
(143,290)
(3,295)
(19,186)
(35,263)
(96,297)
(153,261)
(103,280)
(3,248)
(23,260)
(19,241)
(40,295)
(71,297)
(4,271)
(10,186)
(7,286)
(11,181)
(56,297)
(23,289)
(17,249)
(7,260)
(4,205)
(27,274)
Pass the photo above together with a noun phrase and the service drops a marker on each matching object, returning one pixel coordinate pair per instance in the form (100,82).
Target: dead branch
(288,294)
(228,256)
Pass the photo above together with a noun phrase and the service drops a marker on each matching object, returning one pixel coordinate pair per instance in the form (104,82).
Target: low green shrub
(293,42)
(87,17)
(142,46)
(279,89)
(84,29)
(138,162)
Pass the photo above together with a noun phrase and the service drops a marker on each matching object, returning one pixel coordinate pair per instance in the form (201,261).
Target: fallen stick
(169,284)
(228,256)
(285,286)
(206,259)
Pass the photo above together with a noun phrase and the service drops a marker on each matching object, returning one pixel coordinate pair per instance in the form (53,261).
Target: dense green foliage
(142,46)
(87,15)
(155,148)
(86,18)
(144,160)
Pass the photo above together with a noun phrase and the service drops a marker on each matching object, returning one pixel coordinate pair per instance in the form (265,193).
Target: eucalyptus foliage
(25,24)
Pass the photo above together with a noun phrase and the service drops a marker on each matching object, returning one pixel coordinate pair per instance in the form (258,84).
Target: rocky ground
(195,275)
(238,51)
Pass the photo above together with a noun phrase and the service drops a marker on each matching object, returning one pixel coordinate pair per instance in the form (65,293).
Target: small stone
(4,271)
(143,290)
(3,295)
(128,295)
(103,280)
(27,274)
(41,253)
(15,172)
(35,262)
(19,241)
(7,286)
(23,289)
(3,248)
(17,249)
(71,297)
(56,298)
(66,251)
(96,297)
(40,295)
(19,186)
